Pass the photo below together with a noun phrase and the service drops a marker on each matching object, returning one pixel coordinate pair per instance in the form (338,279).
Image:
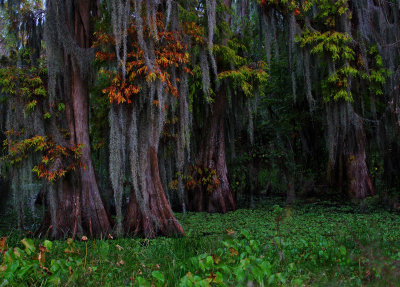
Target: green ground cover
(316,244)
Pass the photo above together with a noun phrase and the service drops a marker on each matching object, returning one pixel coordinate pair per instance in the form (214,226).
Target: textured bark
(359,183)
(157,218)
(79,206)
(67,216)
(80,209)
(212,156)
(351,175)
(95,219)
(94,216)
(347,167)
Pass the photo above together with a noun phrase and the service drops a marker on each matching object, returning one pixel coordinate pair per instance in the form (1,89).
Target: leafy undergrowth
(312,245)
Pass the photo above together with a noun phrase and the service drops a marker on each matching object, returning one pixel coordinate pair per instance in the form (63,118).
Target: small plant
(241,261)
(19,265)
(198,178)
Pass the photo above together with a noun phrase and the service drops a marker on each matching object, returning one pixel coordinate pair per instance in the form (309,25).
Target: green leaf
(246,234)
(48,244)
(31,106)
(29,245)
(342,250)
(61,107)
(209,261)
(158,275)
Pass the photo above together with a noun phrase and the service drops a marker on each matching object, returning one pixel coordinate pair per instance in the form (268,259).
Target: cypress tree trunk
(359,183)
(77,208)
(212,156)
(347,168)
(149,213)
(94,216)
(63,216)
(156,217)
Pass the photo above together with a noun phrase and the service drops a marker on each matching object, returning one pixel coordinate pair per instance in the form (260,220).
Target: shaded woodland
(116,114)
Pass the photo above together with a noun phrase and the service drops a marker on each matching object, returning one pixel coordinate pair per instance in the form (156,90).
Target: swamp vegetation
(199,143)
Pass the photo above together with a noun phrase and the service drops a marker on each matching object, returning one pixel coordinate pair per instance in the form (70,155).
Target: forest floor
(318,244)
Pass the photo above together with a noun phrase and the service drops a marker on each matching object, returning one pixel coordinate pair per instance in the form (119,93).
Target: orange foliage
(170,51)
(195,31)
(198,178)
(56,161)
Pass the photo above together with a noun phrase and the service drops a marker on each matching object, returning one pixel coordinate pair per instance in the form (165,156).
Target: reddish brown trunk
(81,211)
(156,217)
(351,175)
(94,216)
(67,213)
(95,219)
(359,183)
(351,172)
(228,17)
(212,156)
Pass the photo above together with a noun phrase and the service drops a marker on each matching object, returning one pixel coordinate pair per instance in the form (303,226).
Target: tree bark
(95,219)
(349,173)
(359,183)
(156,218)
(79,207)
(63,216)
(94,216)
(212,156)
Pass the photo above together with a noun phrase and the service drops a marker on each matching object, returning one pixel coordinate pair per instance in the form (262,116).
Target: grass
(312,245)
